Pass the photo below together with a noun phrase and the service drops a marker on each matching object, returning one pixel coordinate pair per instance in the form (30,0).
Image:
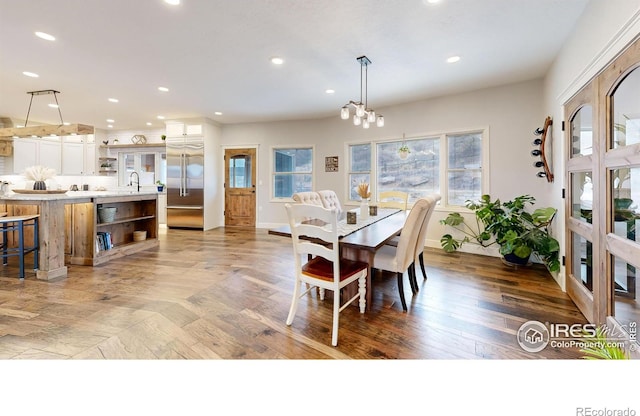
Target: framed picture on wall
(331,164)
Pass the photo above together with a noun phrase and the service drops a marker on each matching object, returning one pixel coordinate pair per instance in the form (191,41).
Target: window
(360,167)
(464,170)
(417,175)
(292,171)
(449,164)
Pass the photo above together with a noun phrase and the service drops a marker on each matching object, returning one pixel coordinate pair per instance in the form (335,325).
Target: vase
(364,209)
(39,186)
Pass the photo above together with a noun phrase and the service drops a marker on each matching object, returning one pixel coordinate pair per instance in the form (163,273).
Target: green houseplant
(519,233)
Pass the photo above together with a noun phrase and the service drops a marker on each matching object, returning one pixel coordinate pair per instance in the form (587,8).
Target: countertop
(77,195)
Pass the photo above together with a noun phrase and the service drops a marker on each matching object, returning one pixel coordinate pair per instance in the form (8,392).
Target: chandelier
(364,115)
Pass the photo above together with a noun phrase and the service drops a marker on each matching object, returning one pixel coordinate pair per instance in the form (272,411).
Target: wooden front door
(240,187)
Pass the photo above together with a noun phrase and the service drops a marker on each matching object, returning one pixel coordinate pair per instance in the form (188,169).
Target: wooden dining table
(363,242)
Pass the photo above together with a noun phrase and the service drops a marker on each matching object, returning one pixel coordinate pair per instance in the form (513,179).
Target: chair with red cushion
(314,233)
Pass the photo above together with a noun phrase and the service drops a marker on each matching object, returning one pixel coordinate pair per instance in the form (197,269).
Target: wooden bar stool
(18,223)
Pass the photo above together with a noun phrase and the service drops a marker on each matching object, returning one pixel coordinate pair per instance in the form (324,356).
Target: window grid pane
(418,174)
(464,178)
(292,171)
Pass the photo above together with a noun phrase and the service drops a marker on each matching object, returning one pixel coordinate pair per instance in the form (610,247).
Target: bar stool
(18,223)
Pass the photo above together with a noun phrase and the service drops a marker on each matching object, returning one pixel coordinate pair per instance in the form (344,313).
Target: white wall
(511,113)
(601,33)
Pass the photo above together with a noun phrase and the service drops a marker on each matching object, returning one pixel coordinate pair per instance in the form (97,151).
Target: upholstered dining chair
(398,259)
(324,269)
(309,198)
(330,200)
(420,242)
(393,199)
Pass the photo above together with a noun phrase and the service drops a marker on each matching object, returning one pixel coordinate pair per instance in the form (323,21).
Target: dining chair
(309,198)
(393,199)
(420,242)
(318,239)
(330,200)
(398,259)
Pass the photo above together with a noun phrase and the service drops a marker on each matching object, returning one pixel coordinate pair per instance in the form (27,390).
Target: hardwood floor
(225,294)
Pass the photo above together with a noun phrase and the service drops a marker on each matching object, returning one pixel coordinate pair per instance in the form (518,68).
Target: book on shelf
(103,241)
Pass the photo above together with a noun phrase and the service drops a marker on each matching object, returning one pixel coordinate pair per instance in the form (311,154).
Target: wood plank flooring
(225,294)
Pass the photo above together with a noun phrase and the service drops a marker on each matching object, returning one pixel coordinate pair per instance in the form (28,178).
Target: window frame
(272,158)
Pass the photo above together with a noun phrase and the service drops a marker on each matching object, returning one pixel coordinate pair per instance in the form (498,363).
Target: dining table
(361,240)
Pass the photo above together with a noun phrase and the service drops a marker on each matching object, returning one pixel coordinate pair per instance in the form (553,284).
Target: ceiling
(214,55)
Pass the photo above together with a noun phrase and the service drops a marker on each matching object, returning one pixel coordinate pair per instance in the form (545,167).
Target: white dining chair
(330,200)
(397,259)
(324,269)
(420,242)
(309,198)
(393,199)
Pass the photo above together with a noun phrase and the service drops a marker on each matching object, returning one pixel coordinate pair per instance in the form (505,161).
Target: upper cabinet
(78,155)
(67,155)
(177,128)
(35,151)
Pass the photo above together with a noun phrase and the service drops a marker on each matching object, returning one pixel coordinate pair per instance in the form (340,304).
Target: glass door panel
(626,111)
(582,132)
(582,264)
(582,196)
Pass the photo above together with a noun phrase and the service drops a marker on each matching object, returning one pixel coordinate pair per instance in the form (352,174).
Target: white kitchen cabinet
(78,155)
(178,128)
(37,151)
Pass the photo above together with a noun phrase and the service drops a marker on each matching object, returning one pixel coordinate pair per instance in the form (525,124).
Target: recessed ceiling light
(160,117)
(277,61)
(453,59)
(53,105)
(109,126)
(113,100)
(218,113)
(45,36)
(110,120)
(431,1)
(149,124)
(330,91)
(163,89)
(172,2)
(30,74)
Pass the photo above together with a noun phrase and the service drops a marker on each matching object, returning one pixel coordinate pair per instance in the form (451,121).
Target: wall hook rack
(541,141)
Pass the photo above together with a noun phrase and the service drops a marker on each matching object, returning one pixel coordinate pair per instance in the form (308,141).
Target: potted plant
(403,151)
(518,232)
(160,186)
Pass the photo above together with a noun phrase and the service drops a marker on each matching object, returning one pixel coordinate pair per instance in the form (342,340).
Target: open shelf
(124,220)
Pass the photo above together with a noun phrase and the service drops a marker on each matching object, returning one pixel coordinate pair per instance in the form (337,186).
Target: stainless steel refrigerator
(185,182)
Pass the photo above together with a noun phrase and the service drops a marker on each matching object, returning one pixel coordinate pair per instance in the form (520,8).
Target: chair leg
(294,302)
(401,290)
(424,273)
(336,316)
(21,248)
(412,278)
(362,291)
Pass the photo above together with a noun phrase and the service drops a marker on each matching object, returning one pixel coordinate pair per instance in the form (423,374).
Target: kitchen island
(73,232)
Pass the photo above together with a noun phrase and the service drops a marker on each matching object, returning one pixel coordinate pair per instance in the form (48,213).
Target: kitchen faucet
(137,181)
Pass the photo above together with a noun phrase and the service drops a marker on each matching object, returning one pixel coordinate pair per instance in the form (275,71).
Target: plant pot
(160,188)
(515,261)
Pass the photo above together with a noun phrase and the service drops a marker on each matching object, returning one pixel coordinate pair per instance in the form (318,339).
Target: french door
(602,132)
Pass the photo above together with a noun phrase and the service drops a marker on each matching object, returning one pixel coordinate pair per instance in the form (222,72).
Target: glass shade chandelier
(364,115)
